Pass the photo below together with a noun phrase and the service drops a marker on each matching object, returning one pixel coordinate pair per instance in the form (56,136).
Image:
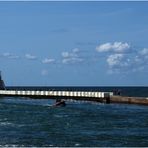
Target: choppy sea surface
(32,122)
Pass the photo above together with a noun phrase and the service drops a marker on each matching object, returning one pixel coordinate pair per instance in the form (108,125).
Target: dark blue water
(30,122)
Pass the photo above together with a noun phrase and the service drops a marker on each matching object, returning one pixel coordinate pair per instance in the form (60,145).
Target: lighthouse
(2,85)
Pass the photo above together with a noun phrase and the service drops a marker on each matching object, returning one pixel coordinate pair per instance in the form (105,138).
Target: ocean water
(32,122)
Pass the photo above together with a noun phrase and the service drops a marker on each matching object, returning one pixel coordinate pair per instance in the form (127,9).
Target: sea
(26,122)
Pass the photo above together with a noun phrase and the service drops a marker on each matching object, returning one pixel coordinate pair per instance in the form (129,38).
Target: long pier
(103,97)
(76,95)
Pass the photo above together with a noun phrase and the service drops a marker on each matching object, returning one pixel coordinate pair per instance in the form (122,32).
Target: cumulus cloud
(119,62)
(71,57)
(118,58)
(114,59)
(30,57)
(118,47)
(127,63)
(48,61)
(104,47)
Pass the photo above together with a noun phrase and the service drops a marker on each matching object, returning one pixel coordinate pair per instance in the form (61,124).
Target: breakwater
(129,100)
(103,97)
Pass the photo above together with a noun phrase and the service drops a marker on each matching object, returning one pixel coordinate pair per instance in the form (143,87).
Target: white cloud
(114,59)
(65,55)
(47,61)
(121,47)
(71,57)
(104,47)
(72,60)
(30,57)
(117,47)
(120,62)
(69,54)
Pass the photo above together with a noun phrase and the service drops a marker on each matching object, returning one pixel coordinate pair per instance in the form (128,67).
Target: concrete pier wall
(129,100)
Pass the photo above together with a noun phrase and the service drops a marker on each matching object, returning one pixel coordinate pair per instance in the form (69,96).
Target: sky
(74,43)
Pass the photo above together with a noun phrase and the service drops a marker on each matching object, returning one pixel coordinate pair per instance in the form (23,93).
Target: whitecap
(60,116)
(5,123)
(77,144)
(11,145)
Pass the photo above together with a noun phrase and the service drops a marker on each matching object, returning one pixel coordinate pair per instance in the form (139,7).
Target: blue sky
(74,43)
